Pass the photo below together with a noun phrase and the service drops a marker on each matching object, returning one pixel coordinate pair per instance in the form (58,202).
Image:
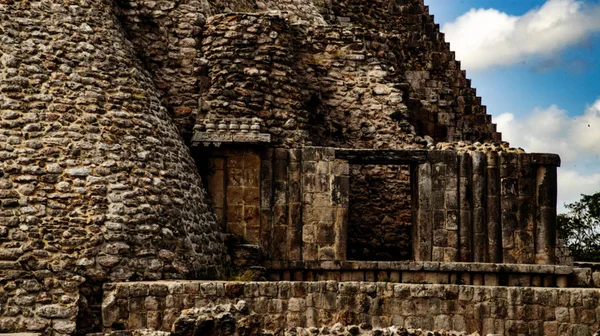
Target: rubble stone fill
(95,182)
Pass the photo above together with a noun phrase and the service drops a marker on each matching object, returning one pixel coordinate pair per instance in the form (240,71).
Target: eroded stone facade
(292,110)
(96,184)
(487,310)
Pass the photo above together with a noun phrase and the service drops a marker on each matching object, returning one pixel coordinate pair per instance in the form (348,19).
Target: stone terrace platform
(282,305)
(427,272)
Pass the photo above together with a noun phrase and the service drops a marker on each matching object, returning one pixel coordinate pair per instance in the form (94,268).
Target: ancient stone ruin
(241,167)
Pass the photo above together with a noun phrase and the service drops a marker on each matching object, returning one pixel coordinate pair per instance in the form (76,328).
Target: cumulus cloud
(575,138)
(484,38)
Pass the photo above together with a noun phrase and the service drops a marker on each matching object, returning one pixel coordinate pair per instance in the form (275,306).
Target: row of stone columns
(469,207)
(485,207)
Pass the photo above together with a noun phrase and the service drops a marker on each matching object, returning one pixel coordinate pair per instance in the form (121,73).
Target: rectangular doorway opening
(380,213)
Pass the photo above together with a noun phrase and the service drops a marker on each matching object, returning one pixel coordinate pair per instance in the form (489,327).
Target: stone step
(21,334)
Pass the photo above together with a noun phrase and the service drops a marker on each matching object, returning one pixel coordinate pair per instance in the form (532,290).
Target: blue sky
(536,64)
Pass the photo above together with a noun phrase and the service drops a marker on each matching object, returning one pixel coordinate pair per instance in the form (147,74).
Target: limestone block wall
(481,206)
(325,191)
(467,206)
(232,179)
(486,207)
(281,203)
(460,206)
(256,193)
(95,181)
(430,272)
(282,305)
(292,203)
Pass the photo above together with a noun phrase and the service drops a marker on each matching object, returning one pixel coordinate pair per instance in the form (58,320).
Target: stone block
(395,276)
(340,191)
(562,281)
(312,154)
(316,183)
(436,278)
(326,253)
(581,277)
(437,253)
(491,279)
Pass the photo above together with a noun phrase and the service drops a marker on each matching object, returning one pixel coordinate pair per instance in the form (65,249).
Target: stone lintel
(420,266)
(370,156)
(545,159)
(218,138)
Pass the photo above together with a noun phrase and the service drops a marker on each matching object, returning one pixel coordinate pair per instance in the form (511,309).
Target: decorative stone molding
(229,130)
(464,273)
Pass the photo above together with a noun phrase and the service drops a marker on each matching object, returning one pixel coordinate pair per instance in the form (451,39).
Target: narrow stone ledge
(419,266)
(410,272)
(368,156)
(545,159)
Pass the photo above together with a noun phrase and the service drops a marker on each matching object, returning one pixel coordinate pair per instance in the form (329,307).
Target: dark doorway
(380,213)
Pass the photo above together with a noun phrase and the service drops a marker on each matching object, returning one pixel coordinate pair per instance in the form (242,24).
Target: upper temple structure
(274,167)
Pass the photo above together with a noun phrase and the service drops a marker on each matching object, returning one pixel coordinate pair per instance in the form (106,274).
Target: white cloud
(571,184)
(575,138)
(483,38)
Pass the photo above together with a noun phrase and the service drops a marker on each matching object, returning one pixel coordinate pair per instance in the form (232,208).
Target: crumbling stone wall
(399,76)
(380,213)
(357,99)
(283,305)
(325,86)
(250,63)
(167,36)
(95,181)
(443,104)
(236,320)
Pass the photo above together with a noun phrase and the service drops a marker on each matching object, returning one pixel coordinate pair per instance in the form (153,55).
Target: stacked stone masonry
(495,203)
(95,182)
(237,320)
(282,305)
(391,48)
(100,100)
(345,85)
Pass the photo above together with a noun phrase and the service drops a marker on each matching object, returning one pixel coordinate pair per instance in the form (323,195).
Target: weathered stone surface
(228,319)
(366,329)
(94,177)
(310,306)
(96,182)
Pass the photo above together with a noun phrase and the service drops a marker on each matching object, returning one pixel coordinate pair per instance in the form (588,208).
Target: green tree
(580,228)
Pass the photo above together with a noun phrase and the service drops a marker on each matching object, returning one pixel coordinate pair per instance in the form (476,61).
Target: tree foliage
(580,228)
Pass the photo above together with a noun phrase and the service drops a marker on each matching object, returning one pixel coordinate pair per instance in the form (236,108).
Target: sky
(536,64)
